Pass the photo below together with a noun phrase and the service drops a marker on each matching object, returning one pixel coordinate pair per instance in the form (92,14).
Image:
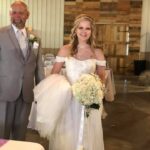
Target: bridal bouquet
(88,90)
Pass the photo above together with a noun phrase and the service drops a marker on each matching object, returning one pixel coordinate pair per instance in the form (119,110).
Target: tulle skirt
(60,118)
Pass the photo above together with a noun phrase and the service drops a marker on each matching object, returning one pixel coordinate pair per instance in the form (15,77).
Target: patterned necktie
(22,42)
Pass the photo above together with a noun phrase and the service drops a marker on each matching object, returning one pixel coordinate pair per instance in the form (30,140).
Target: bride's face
(83,30)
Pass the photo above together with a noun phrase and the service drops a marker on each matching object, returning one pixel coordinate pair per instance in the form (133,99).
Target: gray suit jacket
(16,72)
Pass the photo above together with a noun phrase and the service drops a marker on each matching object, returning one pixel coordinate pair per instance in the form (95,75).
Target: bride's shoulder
(99,54)
(64,51)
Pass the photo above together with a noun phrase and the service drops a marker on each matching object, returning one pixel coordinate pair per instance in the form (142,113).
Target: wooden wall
(118,25)
(53,19)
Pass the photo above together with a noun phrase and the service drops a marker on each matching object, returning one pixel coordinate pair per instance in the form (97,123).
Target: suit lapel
(16,44)
(29,45)
(31,50)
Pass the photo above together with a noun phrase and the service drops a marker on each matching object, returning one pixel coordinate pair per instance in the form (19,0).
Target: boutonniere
(34,41)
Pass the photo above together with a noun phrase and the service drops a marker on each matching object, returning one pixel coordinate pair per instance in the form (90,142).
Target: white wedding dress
(60,117)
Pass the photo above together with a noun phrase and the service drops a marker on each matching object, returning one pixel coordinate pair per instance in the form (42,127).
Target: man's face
(18,15)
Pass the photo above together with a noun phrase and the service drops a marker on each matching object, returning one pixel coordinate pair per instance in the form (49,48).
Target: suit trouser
(2,118)
(16,119)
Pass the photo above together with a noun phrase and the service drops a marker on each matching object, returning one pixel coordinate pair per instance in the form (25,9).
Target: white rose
(31,37)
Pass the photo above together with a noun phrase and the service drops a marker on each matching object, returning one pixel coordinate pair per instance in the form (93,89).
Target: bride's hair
(74,38)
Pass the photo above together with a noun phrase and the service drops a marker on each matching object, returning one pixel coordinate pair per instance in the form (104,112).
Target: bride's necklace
(83,52)
(83,47)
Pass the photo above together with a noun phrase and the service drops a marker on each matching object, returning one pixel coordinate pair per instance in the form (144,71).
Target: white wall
(145,32)
(145,27)
(46,18)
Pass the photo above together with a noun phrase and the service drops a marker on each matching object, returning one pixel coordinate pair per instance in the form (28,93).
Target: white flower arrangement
(88,90)
(33,39)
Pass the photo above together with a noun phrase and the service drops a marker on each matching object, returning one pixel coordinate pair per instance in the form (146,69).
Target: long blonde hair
(74,38)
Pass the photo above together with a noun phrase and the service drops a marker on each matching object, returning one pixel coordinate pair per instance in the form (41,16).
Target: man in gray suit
(20,68)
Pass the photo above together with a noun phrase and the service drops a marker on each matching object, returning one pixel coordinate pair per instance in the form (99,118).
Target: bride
(60,117)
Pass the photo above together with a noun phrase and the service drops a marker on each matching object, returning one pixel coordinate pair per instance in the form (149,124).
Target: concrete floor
(127,125)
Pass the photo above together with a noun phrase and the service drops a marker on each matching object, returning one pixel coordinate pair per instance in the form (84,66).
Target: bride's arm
(57,67)
(101,65)
(60,59)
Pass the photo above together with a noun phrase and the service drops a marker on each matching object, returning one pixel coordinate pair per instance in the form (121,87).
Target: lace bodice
(75,68)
